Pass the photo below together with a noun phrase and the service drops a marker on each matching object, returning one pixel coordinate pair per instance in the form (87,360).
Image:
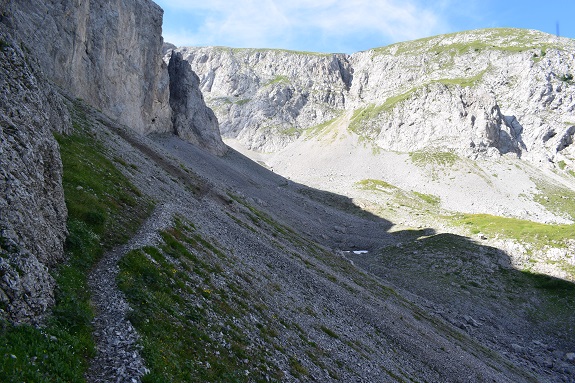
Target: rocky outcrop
(106,52)
(192,119)
(32,209)
(267,97)
(492,91)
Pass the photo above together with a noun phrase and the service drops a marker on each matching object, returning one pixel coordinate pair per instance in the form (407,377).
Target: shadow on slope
(474,287)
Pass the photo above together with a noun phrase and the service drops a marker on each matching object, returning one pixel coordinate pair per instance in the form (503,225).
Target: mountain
(477,122)
(506,91)
(136,246)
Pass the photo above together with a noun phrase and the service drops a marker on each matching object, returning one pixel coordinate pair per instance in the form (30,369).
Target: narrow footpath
(117,354)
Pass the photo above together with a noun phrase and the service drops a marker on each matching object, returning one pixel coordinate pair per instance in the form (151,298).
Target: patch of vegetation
(557,199)
(567,78)
(297,369)
(315,130)
(428,198)
(372,111)
(537,234)
(463,82)
(187,323)
(242,101)
(3,44)
(433,157)
(280,79)
(561,164)
(329,332)
(104,209)
(376,185)
(494,39)
(334,200)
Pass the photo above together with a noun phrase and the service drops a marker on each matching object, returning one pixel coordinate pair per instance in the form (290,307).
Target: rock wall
(266,97)
(504,89)
(192,119)
(32,209)
(105,52)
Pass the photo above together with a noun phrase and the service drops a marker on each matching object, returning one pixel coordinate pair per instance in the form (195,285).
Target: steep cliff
(267,97)
(106,52)
(506,89)
(192,119)
(32,208)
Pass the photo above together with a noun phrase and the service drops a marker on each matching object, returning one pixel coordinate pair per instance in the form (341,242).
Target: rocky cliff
(110,55)
(32,209)
(192,120)
(491,91)
(106,52)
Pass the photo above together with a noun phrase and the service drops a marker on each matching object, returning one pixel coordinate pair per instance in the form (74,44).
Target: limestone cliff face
(32,209)
(266,97)
(105,52)
(192,119)
(491,92)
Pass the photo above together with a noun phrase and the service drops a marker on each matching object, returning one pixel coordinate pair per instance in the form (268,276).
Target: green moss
(372,111)
(561,164)
(297,369)
(317,129)
(329,332)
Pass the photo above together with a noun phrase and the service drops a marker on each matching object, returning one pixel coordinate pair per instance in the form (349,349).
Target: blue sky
(349,25)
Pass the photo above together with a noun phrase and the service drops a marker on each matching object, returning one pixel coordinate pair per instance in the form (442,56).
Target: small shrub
(568,78)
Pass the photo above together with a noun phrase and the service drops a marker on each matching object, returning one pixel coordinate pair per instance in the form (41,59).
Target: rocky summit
(400,214)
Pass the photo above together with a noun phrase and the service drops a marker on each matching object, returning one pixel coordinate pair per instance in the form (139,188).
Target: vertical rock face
(105,52)
(192,119)
(492,91)
(266,97)
(32,209)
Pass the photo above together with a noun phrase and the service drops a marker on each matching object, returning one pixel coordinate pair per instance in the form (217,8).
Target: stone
(108,53)
(403,97)
(32,209)
(192,119)
(517,348)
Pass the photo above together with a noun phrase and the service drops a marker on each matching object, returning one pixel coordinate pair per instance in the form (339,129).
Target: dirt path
(117,356)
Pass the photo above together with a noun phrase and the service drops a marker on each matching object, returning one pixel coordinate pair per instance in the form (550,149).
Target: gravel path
(118,358)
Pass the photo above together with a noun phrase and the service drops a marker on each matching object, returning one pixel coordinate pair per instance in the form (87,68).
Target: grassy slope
(104,209)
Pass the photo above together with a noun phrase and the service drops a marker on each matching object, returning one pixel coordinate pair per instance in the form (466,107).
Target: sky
(348,26)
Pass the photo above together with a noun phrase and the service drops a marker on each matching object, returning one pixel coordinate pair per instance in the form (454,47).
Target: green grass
(180,313)
(375,185)
(537,234)
(463,82)
(242,101)
(428,198)
(561,164)
(432,157)
(557,199)
(278,80)
(317,129)
(372,111)
(106,205)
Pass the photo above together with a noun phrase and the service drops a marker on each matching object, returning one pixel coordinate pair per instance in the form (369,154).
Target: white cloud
(301,23)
